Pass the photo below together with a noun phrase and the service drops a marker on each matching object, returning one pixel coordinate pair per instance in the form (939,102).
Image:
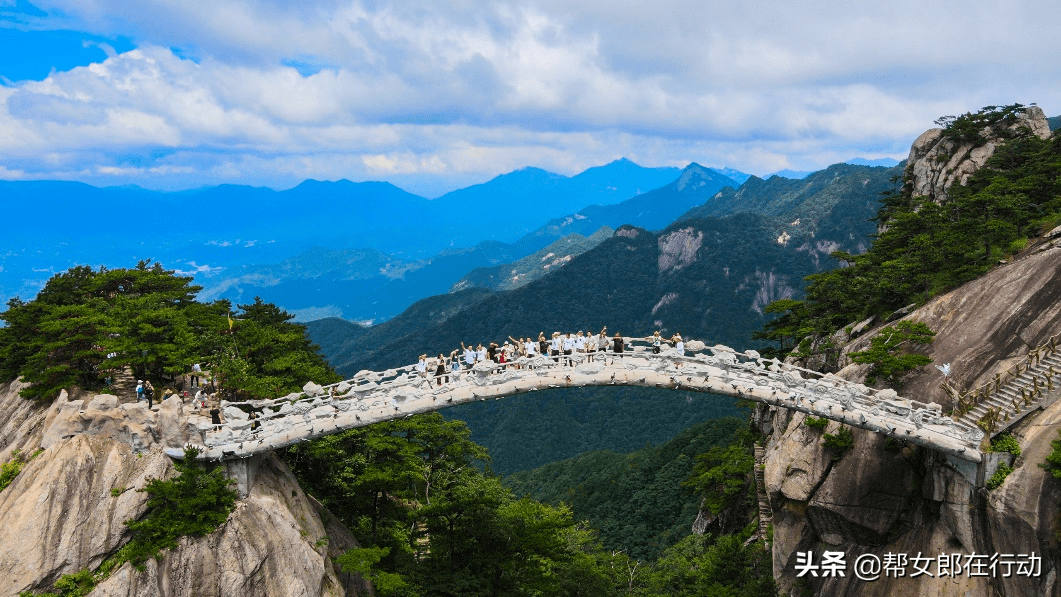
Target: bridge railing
(971,398)
(367,383)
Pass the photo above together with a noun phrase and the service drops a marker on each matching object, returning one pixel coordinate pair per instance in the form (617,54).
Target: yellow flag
(230,322)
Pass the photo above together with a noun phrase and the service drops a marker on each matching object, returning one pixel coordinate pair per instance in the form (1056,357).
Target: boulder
(103,402)
(936,163)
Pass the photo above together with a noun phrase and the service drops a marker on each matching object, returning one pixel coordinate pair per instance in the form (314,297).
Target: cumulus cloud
(268,92)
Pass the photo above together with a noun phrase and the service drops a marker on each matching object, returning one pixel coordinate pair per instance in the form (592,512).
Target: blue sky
(433,96)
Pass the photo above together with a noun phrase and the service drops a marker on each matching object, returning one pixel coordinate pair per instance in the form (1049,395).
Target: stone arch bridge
(372,397)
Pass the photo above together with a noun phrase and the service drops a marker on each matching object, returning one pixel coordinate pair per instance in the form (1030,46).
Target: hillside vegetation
(87,325)
(925,247)
(636,500)
(707,277)
(431,523)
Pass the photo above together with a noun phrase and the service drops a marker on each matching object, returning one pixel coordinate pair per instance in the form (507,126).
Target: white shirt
(580,342)
(555,343)
(569,343)
(530,347)
(421,366)
(469,356)
(680,347)
(480,355)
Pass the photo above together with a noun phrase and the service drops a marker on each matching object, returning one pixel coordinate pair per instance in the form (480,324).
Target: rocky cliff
(880,497)
(936,162)
(64,511)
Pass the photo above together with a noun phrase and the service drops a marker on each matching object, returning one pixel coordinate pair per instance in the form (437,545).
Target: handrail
(971,398)
(359,385)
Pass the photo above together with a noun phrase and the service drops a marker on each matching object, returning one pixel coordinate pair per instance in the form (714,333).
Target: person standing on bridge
(554,347)
(454,366)
(469,355)
(602,340)
(440,369)
(591,346)
(679,344)
(569,347)
(421,366)
(656,341)
(618,346)
(480,353)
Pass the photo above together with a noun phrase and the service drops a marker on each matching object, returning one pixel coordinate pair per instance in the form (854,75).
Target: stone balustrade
(371,397)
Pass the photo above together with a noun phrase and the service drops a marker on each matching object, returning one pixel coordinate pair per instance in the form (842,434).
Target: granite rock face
(59,516)
(880,501)
(877,500)
(273,544)
(936,163)
(982,327)
(887,498)
(65,511)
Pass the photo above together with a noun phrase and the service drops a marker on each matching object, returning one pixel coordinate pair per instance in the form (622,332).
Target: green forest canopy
(926,248)
(86,324)
(430,522)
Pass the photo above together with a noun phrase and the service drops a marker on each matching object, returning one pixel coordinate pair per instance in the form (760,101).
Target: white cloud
(421,91)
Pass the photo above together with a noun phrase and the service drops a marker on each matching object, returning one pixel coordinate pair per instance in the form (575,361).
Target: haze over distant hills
(349,284)
(214,230)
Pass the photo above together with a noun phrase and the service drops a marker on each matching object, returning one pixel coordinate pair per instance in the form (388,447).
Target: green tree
(263,354)
(889,351)
(722,474)
(85,324)
(706,565)
(193,503)
(787,329)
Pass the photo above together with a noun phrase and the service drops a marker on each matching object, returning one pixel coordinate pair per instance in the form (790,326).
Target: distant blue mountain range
(224,228)
(886,162)
(362,285)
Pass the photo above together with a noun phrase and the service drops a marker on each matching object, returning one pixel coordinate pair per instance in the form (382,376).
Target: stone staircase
(766,517)
(1009,399)
(123,385)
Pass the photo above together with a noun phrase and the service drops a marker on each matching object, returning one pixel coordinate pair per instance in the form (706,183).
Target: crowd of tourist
(560,347)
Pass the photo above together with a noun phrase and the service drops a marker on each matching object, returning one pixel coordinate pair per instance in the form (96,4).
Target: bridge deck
(372,397)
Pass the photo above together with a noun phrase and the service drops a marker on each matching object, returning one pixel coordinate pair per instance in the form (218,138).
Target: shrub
(1053,459)
(77,584)
(9,470)
(1000,475)
(194,503)
(893,445)
(840,442)
(1005,443)
(888,351)
(818,423)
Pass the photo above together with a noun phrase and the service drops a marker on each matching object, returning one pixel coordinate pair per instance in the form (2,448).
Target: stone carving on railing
(377,396)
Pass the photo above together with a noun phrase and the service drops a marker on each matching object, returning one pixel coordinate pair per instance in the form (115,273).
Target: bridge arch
(372,397)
